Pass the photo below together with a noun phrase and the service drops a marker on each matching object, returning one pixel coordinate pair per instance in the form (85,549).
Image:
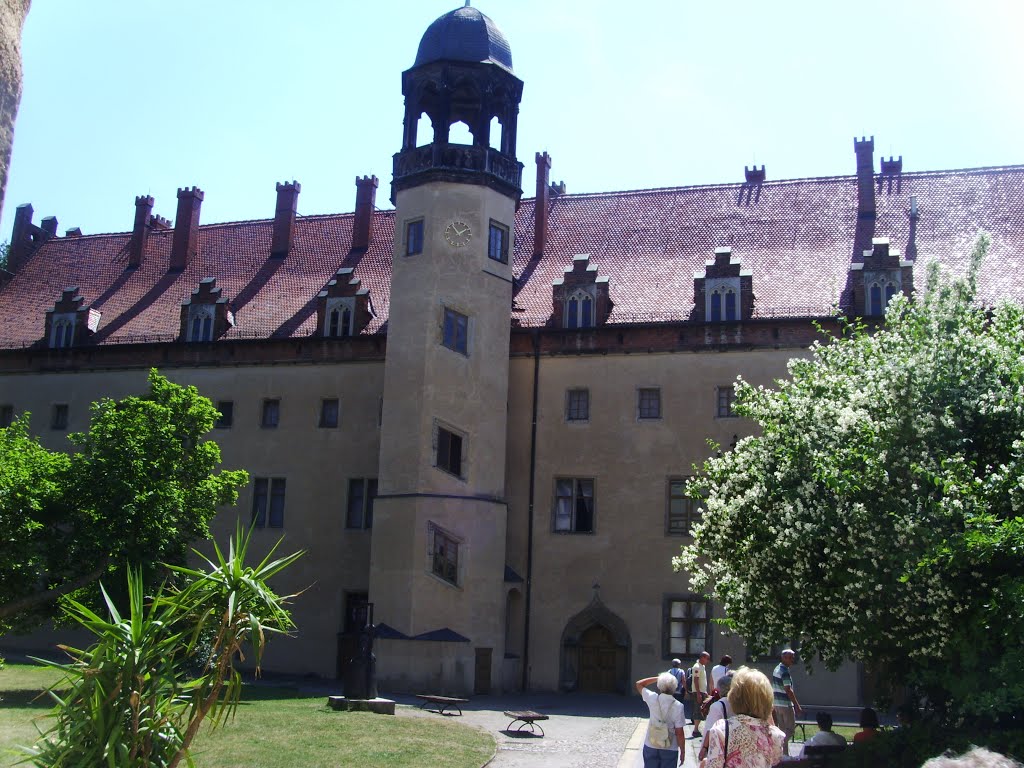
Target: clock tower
(438,542)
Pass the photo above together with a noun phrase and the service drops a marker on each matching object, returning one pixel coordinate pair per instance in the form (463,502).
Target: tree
(138,489)
(877,514)
(131,699)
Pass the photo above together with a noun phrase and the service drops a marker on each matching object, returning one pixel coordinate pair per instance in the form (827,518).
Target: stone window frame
(226,420)
(581,296)
(60,417)
(62,330)
(201,319)
(679,638)
(577,405)
(498,251)
(450,447)
(270,413)
(359,516)
(888,282)
(450,336)
(722,288)
(339,317)
(6,415)
(414,236)
(681,522)
(725,400)
(323,420)
(576,495)
(643,406)
(268,502)
(445,555)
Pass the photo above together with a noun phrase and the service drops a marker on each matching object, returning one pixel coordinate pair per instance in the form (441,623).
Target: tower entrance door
(598,651)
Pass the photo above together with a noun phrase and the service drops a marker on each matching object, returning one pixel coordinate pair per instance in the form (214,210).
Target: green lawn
(276,728)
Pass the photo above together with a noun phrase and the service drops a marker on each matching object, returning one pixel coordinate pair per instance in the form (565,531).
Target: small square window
(59,418)
(726,396)
(444,554)
(683,511)
(449,452)
(227,414)
(268,502)
(271,414)
(577,405)
(456,331)
(574,505)
(497,243)
(329,413)
(414,237)
(6,415)
(649,403)
(361,493)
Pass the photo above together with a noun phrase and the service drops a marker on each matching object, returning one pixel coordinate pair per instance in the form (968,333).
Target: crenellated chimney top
(754,175)
(892,166)
(865,150)
(283,237)
(185,242)
(140,230)
(366,200)
(540,206)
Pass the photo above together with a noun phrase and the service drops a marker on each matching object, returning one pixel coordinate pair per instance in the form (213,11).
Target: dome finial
(467,4)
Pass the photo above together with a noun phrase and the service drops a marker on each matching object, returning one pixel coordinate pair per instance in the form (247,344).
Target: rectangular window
(6,415)
(686,623)
(444,555)
(59,418)
(449,451)
(226,408)
(456,331)
(497,243)
(268,502)
(414,237)
(726,396)
(329,411)
(361,493)
(271,414)
(574,505)
(577,405)
(649,403)
(683,511)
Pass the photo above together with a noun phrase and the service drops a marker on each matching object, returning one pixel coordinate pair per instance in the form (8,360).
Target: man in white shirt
(699,689)
(824,737)
(721,668)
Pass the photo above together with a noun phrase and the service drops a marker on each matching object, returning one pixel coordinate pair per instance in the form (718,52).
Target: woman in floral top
(753,742)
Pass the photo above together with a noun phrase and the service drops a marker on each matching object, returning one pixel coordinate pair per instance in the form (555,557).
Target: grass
(275,728)
(846,731)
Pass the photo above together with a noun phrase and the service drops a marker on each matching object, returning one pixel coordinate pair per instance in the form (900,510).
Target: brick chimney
(540,206)
(366,198)
(754,175)
(140,231)
(185,242)
(865,149)
(26,236)
(284,219)
(49,225)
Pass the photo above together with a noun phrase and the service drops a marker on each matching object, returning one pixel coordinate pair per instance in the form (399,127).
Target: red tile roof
(795,236)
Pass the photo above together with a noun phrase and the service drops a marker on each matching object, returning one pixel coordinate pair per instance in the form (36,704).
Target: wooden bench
(441,703)
(528,718)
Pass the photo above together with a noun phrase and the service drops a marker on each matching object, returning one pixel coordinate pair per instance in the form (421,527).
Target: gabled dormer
(206,314)
(881,275)
(723,292)
(70,323)
(343,307)
(580,298)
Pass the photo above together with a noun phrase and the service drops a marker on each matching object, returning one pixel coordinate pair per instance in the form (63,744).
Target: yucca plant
(133,699)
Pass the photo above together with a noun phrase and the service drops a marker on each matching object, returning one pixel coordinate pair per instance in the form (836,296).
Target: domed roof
(464,34)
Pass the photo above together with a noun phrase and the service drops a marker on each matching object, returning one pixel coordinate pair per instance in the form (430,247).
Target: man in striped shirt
(785,701)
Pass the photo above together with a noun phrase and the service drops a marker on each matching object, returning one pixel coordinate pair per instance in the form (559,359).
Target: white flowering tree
(877,514)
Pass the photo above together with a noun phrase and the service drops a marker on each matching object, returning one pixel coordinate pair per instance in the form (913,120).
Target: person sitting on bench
(824,737)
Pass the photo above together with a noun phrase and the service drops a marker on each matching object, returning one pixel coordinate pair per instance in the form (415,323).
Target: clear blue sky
(129,97)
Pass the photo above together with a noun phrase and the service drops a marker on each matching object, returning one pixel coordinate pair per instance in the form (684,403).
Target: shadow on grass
(26,699)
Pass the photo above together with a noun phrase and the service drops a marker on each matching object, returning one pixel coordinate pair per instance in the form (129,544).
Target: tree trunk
(12,17)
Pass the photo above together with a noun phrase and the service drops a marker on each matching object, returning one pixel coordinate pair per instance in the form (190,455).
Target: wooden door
(597,661)
(482,676)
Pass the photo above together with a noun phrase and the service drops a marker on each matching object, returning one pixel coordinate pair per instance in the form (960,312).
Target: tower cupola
(462,73)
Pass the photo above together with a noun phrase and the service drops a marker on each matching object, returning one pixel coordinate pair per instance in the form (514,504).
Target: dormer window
(205,314)
(580,299)
(62,331)
(579,310)
(343,306)
(723,292)
(200,322)
(340,317)
(880,290)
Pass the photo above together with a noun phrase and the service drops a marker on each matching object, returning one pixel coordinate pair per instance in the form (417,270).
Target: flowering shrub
(876,516)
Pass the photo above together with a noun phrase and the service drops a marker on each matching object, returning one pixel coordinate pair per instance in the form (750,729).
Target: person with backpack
(665,742)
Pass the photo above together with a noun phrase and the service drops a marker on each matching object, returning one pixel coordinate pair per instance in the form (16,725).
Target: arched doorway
(595,651)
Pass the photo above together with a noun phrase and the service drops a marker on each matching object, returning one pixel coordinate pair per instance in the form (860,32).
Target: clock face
(457,233)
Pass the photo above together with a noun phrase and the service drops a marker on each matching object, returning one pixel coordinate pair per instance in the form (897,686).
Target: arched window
(339,320)
(496,129)
(424,130)
(62,334)
(879,293)
(723,305)
(200,323)
(579,310)
(459,133)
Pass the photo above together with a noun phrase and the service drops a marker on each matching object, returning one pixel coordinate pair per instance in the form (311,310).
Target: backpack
(689,678)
